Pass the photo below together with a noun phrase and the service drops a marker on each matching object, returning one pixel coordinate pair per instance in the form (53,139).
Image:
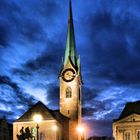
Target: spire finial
(70,12)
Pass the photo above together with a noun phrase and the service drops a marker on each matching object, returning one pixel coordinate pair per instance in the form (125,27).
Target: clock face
(68,75)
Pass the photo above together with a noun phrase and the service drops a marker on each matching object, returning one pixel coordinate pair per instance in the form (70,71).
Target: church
(42,123)
(127,126)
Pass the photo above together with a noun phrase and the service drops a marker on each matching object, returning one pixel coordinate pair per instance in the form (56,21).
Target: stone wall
(46,129)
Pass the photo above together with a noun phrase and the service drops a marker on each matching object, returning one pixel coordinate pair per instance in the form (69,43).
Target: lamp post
(55,128)
(37,118)
(80,131)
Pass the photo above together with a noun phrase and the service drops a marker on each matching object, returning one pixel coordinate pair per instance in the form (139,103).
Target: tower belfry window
(68,92)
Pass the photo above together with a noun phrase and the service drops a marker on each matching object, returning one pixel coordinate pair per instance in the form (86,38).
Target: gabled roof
(46,113)
(128,119)
(130,108)
(60,117)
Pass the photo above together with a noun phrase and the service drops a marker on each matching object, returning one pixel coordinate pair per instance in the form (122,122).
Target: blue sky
(32,44)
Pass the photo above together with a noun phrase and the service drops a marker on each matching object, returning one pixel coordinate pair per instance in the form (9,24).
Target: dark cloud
(113,46)
(53,96)
(23,74)
(13,99)
(32,31)
(87,111)
(8,21)
(49,8)
(6,113)
(89,94)
(18,20)
(47,59)
(3,36)
(19,93)
(45,65)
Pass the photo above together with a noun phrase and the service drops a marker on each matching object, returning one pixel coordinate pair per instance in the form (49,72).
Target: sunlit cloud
(38,94)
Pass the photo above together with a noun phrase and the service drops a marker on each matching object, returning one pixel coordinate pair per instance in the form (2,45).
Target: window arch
(138,135)
(127,136)
(68,92)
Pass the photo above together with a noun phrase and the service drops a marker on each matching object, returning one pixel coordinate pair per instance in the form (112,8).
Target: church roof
(130,108)
(70,52)
(60,117)
(46,113)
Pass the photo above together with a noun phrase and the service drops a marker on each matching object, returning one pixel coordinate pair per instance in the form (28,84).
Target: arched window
(68,92)
(138,135)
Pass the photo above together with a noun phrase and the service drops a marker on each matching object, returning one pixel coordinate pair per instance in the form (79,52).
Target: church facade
(57,124)
(127,126)
(50,127)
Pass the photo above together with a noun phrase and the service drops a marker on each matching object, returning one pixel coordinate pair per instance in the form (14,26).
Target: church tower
(71,82)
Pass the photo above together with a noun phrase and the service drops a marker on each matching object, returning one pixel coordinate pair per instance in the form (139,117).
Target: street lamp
(55,128)
(80,130)
(37,118)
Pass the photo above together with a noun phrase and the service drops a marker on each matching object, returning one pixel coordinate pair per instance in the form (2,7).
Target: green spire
(70,52)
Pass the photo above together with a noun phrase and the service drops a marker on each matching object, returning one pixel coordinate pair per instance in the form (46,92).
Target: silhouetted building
(6,130)
(127,126)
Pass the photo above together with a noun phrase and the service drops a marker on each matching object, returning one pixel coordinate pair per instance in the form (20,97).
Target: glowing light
(54,127)
(37,118)
(80,129)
